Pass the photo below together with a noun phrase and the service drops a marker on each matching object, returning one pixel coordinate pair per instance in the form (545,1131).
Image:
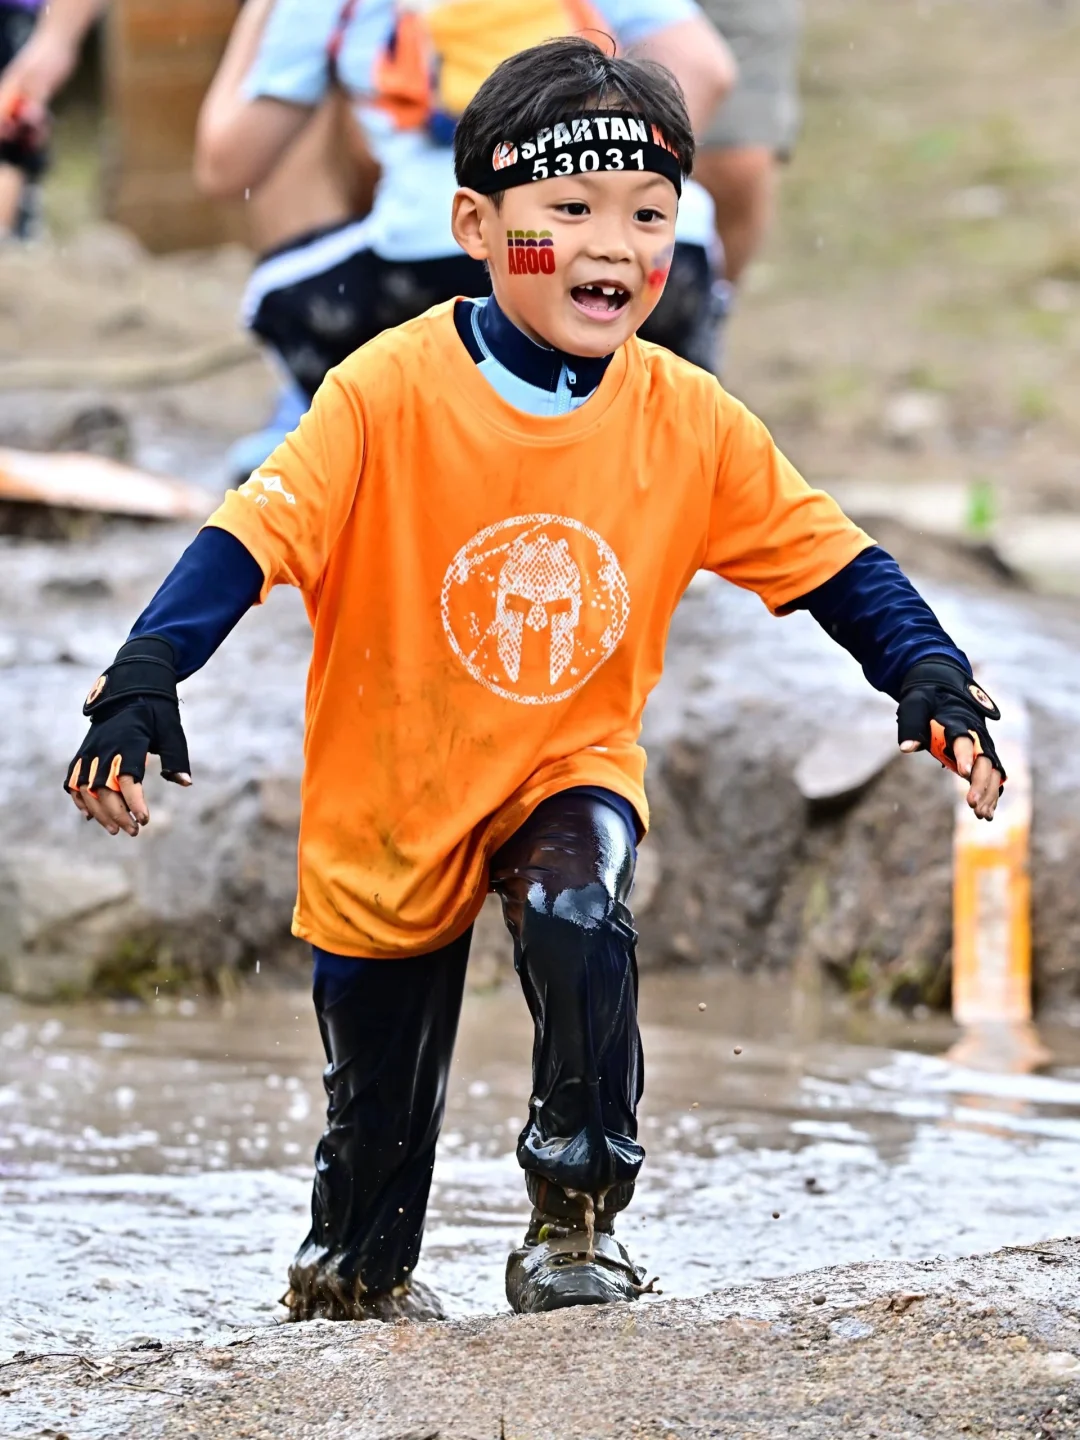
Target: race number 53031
(587,162)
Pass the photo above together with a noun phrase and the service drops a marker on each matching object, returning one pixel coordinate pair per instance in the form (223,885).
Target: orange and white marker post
(992,888)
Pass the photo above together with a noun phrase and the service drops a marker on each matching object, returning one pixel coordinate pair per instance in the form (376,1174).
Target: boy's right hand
(134,711)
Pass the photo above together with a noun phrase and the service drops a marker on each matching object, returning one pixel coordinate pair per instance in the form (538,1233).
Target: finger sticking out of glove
(972,764)
(942,742)
(87,771)
(117,803)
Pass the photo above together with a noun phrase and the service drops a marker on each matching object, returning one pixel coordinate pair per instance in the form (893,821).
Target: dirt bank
(988,1346)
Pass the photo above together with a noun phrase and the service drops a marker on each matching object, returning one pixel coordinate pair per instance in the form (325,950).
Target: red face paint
(530,252)
(657,277)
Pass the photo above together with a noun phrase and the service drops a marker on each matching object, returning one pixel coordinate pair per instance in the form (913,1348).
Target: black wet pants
(388,1028)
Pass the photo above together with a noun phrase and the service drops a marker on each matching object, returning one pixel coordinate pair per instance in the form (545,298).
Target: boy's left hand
(944,711)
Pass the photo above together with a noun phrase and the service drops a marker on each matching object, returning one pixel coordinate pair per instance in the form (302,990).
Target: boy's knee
(586,907)
(571,863)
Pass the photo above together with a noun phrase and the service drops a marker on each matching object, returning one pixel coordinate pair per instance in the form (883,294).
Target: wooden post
(160,57)
(992,914)
(992,888)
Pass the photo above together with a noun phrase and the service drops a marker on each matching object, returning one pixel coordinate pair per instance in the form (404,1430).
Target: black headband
(600,140)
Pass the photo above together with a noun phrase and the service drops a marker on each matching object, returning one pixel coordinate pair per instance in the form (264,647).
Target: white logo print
(271,485)
(533,606)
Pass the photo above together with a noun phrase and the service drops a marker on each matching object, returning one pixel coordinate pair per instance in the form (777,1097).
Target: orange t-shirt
(491,593)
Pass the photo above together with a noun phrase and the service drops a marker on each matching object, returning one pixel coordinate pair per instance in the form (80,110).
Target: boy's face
(576,263)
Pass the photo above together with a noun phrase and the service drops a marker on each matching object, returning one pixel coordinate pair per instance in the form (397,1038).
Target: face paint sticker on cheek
(530,252)
(661,266)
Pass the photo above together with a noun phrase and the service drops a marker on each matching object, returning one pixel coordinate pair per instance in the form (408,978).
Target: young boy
(492,512)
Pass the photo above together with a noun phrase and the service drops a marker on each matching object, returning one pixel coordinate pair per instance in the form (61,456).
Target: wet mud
(155,1164)
(988,1346)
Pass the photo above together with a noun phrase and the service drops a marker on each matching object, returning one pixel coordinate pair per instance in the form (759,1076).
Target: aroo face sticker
(530,252)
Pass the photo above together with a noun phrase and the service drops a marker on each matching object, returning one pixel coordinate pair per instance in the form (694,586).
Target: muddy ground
(988,1346)
(915,318)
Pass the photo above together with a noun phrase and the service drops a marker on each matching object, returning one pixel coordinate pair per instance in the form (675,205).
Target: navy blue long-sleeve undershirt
(210,588)
(869,607)
(872,609)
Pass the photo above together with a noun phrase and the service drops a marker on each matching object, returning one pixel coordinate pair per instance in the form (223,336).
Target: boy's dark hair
(558,80)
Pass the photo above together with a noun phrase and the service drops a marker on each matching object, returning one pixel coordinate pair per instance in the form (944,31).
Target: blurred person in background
(24,95)
(409,75)
(322,178)
(754,129)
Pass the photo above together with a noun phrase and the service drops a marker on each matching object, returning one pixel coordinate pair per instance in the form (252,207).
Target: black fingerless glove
(134,711)
(939,703)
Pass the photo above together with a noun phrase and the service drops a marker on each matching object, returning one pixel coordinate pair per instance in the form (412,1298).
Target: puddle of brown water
(154,1165)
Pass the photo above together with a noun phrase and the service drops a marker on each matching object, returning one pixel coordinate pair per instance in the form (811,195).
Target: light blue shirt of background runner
(410,218)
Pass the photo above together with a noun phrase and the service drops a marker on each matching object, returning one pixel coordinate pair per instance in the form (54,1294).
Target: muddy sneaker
(319,1293)
(569,1262)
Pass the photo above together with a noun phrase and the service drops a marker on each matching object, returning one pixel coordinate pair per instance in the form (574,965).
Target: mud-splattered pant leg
(388,1029)
(564,879)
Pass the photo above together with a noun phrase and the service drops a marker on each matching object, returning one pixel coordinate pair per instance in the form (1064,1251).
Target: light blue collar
(531,377)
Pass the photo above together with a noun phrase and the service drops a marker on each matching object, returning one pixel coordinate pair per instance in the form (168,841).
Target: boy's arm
(208,591)
(872,609)
(772,533)
(279,527)
(133,707)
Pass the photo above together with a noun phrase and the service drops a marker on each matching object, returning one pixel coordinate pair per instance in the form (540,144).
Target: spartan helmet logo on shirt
(539,586)
(533,606)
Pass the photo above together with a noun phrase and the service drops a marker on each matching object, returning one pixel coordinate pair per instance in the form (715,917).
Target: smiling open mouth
(600,299)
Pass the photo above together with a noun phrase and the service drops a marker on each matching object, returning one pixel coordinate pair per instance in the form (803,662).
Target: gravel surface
(986,1346)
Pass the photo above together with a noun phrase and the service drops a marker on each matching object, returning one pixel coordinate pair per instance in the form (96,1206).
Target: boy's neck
(537,364)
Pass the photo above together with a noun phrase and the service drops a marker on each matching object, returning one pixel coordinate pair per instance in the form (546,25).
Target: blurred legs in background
(323,182)
(754,129)
(742,182)
(321,296)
